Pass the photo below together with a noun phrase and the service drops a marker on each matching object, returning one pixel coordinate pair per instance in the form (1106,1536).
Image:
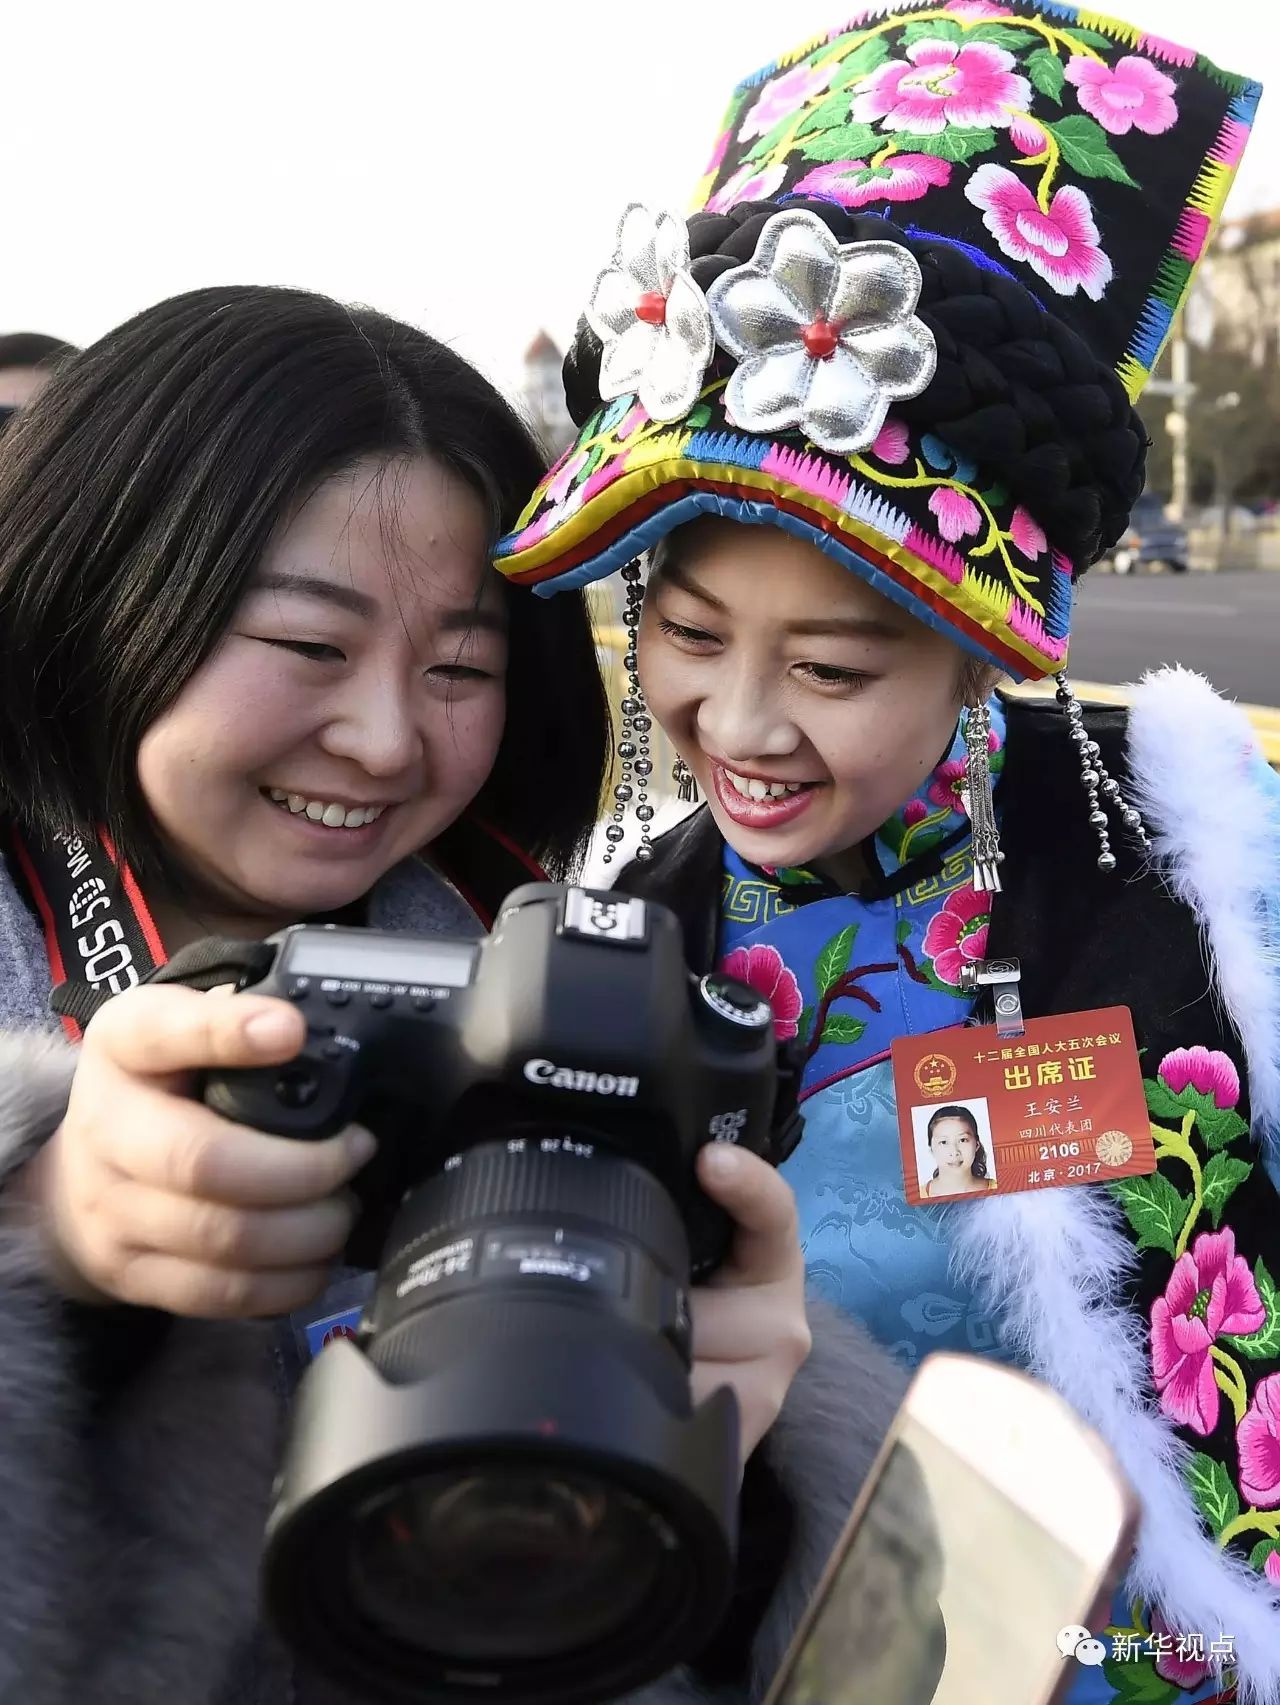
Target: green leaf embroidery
(841,1028)
(1138,1683)
(1218,1125)
(805,1025)
(944,29)
(1222,1176)
(698,417)
(833,111)
(1264,1344)
(1154,1209)
(1085,148)
(906,929)
(848,142)
(1162,1103)
(1092,38)
(1047,73)
(1261,1551)
(1212,1490)
(951,144)
(765,144)
(999,35)
(833,961)
(868,57)
(927,843)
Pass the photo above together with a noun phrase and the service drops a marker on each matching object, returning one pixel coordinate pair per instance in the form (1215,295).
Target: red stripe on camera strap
(99,935)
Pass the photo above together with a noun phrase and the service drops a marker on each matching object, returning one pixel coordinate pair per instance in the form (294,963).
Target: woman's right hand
(149,1197)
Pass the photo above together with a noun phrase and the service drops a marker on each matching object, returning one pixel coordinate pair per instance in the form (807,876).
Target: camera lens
(505,1489)
(506,1564)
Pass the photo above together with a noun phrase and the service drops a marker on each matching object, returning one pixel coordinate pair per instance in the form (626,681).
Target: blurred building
(543,394)
(1243,282)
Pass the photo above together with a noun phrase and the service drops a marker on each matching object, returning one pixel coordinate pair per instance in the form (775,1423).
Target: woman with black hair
(956,1144)
(254,669)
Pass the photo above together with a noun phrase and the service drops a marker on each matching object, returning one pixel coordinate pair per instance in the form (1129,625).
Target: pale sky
(458,163)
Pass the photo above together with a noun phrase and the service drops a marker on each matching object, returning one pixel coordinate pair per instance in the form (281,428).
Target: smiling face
(351,712)
(954,1146)
(808,707)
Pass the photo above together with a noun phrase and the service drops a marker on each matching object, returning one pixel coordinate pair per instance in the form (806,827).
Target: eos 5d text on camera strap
(99,935)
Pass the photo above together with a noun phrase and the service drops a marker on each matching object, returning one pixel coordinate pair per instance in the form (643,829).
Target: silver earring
(686,786)
(633,744)
(978,802)
(1096,780)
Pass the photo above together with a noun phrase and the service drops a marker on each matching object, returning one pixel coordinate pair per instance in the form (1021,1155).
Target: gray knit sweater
(135,1467)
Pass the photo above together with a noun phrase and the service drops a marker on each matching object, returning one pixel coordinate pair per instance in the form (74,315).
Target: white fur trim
(1192,753)
(1053,1265)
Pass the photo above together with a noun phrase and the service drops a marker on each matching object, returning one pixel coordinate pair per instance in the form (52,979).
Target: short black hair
(33,349)
(142,489)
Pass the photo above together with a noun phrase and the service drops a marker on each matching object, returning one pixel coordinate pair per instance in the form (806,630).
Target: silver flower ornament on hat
(651,317)
(825,335)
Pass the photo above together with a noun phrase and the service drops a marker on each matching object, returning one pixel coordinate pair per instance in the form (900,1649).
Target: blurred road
(1226,625)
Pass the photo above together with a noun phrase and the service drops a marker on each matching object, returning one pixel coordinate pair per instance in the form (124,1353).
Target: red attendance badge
(1060,1103)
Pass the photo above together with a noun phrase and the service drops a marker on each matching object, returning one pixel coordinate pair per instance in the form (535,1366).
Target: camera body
(503,1485)
(575,1020)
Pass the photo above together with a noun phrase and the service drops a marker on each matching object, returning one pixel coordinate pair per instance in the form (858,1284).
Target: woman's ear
(978,680)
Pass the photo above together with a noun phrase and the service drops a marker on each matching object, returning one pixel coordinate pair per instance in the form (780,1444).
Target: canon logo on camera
(589,1083)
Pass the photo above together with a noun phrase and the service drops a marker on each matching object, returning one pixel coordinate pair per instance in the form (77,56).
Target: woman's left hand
(749,1325)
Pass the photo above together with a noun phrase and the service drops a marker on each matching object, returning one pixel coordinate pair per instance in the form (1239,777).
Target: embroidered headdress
(936,257)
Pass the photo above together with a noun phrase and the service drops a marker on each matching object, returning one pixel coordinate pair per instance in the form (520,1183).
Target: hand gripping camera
(500,1489)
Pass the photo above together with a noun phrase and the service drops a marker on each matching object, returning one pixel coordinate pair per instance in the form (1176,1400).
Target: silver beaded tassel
(1095,780)
(633,745)
(978,802)
(686,786)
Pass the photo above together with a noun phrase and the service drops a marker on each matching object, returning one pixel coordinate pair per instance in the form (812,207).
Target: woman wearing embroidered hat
(870,412)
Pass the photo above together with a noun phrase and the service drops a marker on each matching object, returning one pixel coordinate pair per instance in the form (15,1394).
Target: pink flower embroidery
(1061,245)
(957,514)
(1202,1069)
(1258,1441)
(1026,135)
(1272,1567)
(854,183)
(974,11)
(957,934)
(718,153)
(944,83)
(894,443)
(1210,1291)
(1187,1672)
(784,97)
(762,968)
(947,781)
(1130,92)
(1027,534)
(913,812)
(747,184)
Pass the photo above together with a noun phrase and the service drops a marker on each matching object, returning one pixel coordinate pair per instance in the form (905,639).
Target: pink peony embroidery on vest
(1215,1329)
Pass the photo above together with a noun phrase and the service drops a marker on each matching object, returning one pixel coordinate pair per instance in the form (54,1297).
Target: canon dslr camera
(500,1488)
